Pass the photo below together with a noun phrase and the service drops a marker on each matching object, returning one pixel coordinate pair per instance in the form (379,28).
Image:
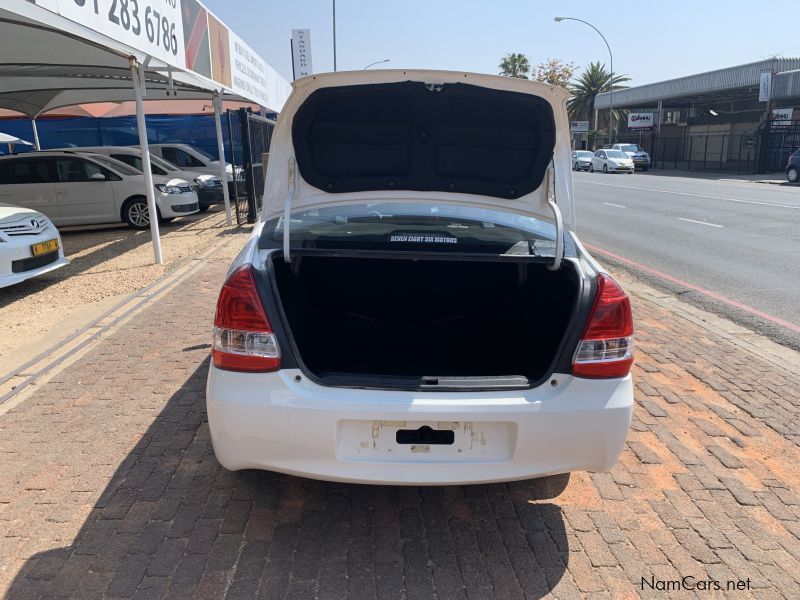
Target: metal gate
(778,140)
(250,137)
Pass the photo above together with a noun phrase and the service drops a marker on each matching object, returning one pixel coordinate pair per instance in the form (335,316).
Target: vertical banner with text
(301,53)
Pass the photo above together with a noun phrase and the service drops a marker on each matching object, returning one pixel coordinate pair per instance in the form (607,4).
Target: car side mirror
(97,177)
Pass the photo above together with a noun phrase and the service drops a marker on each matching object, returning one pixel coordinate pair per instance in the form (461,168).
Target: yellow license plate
(44,247)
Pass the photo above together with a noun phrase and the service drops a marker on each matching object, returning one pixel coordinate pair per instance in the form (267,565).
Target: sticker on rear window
(422,238)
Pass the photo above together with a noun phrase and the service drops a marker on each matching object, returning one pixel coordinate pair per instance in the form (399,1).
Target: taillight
(606,346)
(243,338)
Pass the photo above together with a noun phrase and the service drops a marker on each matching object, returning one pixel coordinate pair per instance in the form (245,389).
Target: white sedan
(29,245)
(419,322)
(611,161)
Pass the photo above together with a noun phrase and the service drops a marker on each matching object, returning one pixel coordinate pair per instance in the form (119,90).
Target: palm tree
(594,80)
(515,65)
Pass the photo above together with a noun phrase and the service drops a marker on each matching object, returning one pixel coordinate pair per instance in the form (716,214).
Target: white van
(207,186)
(86,189)
(194,159)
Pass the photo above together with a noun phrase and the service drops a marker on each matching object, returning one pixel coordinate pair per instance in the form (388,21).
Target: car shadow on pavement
(172,523)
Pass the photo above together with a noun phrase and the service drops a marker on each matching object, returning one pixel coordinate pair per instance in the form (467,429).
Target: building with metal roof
(744,118)
(723,85)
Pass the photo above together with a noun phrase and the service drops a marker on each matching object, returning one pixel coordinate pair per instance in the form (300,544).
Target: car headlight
(168,189)
(204,181)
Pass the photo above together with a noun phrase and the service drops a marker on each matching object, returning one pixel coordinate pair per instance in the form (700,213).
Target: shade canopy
(49,62)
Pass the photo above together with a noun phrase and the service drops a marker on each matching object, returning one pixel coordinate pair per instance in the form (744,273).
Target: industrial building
(744,118)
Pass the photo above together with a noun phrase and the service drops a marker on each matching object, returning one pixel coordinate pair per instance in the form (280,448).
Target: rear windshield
(584,154)
(416,227)
(425,137)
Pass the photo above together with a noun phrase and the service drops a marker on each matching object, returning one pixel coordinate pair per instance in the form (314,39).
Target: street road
(729,246)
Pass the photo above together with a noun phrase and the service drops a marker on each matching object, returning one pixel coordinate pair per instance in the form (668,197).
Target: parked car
(428,321)
(641,159)
(581,160)
(83,189)
(195,159)
(793,167)
(611,161)
(29,245)
(208,187)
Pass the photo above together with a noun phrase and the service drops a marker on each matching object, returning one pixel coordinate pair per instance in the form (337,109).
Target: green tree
(555,72)
(515,65)
(594,80)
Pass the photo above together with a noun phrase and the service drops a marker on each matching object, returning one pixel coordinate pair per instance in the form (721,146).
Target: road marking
(698,289)
(612,204)
(700,222)
(633,187)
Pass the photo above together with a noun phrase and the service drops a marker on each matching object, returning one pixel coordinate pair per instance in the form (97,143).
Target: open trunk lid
(474,140)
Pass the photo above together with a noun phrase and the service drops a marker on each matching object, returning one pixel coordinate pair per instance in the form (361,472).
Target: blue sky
(651,41)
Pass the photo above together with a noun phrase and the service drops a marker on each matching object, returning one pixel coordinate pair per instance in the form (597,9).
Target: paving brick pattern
(109,488)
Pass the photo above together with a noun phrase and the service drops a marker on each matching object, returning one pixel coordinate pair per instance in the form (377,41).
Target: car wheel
(204,207)
(605,169)
(793,174)
(591,168)
(574,166)
(135,213)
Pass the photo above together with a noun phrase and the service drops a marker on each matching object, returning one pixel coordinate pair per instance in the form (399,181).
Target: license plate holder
(425,441)
(44,247)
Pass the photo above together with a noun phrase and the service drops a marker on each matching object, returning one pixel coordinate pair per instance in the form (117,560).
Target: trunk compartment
(426,323)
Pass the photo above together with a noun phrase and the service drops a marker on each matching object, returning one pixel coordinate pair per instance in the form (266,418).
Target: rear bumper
(270,421)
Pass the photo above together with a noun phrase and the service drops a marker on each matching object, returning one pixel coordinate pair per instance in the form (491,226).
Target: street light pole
(334,35)
(611,61)
(377,62)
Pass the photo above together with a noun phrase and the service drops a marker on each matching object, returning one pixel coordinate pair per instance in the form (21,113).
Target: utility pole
(334,35)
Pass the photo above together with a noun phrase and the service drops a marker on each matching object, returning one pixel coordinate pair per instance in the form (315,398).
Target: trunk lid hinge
(551,202)
(291,174)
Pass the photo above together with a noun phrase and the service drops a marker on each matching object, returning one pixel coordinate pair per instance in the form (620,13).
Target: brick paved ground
(109,487)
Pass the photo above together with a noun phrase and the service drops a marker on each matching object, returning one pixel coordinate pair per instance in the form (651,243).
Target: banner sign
(640,120)
(182,34)
(782,116)
(301,53)
(579,127)
(249,71)
(765,86)
(152,26)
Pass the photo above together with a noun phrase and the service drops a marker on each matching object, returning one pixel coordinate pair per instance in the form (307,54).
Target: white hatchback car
(414,306)
(30,245)
(611,161)
(84,189)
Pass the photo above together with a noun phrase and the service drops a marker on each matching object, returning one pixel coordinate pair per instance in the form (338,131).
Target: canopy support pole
(223,174)
(139,88)
(36,143)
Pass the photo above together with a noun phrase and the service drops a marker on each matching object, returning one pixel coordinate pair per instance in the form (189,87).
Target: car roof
(39,153)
